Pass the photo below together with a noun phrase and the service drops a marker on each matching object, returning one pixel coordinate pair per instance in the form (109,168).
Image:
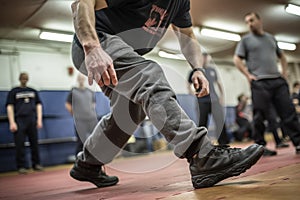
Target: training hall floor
(160,176)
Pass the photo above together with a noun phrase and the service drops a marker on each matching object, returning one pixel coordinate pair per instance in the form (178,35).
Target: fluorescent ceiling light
(286,46)
(293,9)
(164,54)
(220,34)
(61,37)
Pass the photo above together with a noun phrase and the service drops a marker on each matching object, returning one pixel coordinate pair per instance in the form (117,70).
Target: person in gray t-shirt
(81,104)
(260,51)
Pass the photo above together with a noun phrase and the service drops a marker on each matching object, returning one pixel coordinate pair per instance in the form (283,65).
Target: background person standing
(243,118)
(81,103)
(213,102)
(268,86)
(24,110)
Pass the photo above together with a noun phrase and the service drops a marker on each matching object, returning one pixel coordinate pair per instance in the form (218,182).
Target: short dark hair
(250,13)
(22,74)
(296,83)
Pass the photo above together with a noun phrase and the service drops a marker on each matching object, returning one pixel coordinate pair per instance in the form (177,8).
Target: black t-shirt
(24,101)
(142,23)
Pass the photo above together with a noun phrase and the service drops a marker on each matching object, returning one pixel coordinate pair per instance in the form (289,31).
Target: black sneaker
(269,152)
(94,175)
(222,162)
(286,139)
(282,145)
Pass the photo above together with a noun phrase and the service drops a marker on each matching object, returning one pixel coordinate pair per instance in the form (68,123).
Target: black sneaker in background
(269,152)
(282,145)
(93,175)
(222,162)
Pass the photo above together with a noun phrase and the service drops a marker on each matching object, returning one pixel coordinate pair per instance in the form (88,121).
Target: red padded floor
(154,176)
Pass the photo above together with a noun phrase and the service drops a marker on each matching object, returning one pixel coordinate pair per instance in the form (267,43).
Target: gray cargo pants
(142,90)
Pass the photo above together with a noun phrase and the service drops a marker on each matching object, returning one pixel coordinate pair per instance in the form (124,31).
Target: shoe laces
(225,148)
(218,149)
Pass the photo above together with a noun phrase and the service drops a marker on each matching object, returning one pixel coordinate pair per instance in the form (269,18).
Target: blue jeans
(142,90)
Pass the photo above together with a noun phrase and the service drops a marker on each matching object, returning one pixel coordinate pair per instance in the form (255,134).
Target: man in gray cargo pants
(107,47)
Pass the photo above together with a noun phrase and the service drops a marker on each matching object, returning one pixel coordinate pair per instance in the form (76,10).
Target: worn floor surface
(160,176)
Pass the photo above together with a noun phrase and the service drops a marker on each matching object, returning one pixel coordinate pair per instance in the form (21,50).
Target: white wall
(176,72)
(47,68)
(233,81)
(5,74)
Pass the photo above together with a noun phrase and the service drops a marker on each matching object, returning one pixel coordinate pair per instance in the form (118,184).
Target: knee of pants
(258,119)
(290,119)
(136,112)
(272,124)
(155,86)
(258,115)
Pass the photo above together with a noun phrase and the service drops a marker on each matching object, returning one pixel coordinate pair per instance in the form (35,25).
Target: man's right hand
(200,84)
(251,78)
(100,67)
(13,127)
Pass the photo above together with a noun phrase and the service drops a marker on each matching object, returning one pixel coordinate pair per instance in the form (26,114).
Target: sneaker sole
(203,181)
(76,175)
